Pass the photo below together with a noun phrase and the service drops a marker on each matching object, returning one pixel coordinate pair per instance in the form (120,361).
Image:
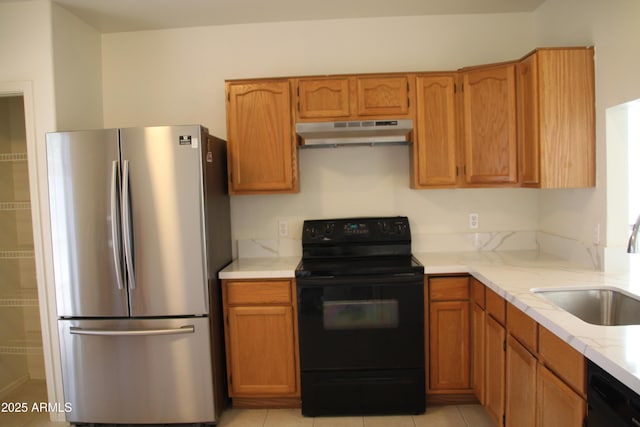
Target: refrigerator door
(133,371)
(83,174)
(163,210)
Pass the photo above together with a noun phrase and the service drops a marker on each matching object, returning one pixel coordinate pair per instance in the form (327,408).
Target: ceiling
(110,16)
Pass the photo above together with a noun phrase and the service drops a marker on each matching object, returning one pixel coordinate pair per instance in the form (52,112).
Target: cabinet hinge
(504,345)
(457,171)
(504,420)
(228,97)
(455,88)
(298,106)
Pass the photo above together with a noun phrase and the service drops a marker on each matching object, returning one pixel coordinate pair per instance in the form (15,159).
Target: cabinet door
(494,369)
(477,350)
(262,155)
(434,149)
(449,339)
(528,121)
(490,138)
(323,98)
(557,404)
(382,96)
(567,117)
(520,406)
(261,351)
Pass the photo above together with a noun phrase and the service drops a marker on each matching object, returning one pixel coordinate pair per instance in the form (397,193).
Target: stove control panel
(356,229)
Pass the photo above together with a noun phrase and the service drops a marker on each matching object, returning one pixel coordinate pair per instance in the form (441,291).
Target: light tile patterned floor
(436,416)
(31,392)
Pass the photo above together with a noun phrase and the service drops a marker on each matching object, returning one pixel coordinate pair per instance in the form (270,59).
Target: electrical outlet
(283,228)
(474,221)
(596,234)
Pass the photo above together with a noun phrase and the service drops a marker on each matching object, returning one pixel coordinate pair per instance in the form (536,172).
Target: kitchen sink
(599,306)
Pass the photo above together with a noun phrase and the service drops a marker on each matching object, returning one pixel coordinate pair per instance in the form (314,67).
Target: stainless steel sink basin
(599,306)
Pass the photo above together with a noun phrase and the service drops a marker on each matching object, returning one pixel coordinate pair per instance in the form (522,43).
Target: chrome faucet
(632,246)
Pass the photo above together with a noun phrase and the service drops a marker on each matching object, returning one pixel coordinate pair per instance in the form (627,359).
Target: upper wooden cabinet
(434,150)
(383,96)
(490,132)
(556,118)
(353,97)
(322,98)
(262,155)
(526,123)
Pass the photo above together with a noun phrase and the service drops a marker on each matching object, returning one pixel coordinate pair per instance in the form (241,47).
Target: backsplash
(569,249)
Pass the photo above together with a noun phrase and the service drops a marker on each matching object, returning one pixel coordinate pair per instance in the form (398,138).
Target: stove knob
(311,232)
(328,229)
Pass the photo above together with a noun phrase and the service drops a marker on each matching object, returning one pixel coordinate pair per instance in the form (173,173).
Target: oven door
(373,322)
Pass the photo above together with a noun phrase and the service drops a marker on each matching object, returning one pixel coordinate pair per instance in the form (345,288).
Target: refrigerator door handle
(190,329)
(115,225)
(126,226)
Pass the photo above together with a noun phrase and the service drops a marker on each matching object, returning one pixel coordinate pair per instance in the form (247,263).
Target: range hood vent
(366,132)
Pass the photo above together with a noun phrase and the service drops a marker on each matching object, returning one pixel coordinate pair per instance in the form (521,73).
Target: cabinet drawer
(495,306)
(566,362)
(522,327)
(258,292)
(449,288)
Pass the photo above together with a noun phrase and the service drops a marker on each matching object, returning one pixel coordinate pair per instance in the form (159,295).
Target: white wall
(77,70)
(27,69)
(612,27)
(25,49)
(177,76)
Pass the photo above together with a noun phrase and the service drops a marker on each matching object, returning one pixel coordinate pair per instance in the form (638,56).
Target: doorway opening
(22,366)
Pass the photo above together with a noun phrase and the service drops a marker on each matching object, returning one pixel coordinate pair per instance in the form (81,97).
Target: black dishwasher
(611,403)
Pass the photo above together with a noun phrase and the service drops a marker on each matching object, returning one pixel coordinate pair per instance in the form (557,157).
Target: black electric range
(360,318)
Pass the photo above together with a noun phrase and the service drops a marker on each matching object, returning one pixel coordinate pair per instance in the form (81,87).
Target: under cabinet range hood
(365,132)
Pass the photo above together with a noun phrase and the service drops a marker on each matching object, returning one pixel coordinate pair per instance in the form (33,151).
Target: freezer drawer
(137,371)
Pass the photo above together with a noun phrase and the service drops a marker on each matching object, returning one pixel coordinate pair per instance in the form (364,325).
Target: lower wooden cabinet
(520,404)
(494,369)
(449,343)
(531,377)
(557,404)
(262,360)
(477,349)
(261,345)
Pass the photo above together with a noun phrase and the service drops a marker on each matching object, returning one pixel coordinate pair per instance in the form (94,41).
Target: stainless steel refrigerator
(140,227)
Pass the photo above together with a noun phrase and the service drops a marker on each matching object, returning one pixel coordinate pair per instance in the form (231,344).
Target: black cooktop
(331,267)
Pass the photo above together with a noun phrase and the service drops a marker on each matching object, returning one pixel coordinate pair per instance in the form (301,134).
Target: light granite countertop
(513,274)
